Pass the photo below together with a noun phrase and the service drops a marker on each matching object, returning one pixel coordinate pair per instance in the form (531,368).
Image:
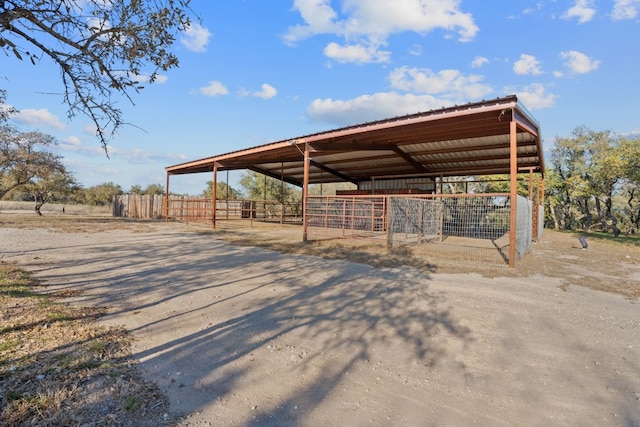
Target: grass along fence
(8,206)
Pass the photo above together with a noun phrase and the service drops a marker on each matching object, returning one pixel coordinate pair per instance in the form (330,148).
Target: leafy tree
(557,204)
(223,191)
(101,194)
(571,158)
(57,183)
(102,47)
(593,170)
(153,190)
(135,189)
(27,165)
(24,157)
(5,110)
(262,187)
(606,172)
(630,189)
(330,188)
(498,184)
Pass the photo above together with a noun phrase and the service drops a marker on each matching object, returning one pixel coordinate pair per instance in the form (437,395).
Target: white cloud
(535,97)
(426,90)
(538,7)
(582,9)
(479,61)
(72,140)
(369,23)
(161,78)
(356,53)
(196,38)
(527,64)
(215,88)
(144,78)
(452,84)
(415,50)
(319,17)
(37,118)
(625,9)
(371,107)
(139,156)
(578,62)
(73,144)
(635,133)
(267,92)
(136,156)
(96,25)
(90,129)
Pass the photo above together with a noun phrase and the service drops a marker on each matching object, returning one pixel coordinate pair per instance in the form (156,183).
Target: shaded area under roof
(465,140)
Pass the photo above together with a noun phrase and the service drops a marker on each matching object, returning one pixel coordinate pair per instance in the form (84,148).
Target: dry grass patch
(75,223)
(59,367)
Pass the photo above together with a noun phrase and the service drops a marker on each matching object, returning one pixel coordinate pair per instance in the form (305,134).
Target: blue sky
(255,71)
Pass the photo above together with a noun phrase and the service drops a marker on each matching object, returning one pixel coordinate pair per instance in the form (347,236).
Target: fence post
(441,230)
(387,217)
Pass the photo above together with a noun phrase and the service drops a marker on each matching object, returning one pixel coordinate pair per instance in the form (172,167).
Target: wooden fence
(138,206)
(199,209)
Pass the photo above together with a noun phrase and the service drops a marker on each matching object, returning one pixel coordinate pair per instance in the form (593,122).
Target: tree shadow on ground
(222,323)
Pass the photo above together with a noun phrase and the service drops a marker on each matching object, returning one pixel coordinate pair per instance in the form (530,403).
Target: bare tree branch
(101,47)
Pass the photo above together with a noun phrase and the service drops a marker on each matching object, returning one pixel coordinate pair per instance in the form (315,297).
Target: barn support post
(282,193)
(165,206)
(387,218)
(513,186)
(214,195)
(305,192)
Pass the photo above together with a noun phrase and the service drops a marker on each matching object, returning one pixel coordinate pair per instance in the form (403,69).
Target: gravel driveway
(245,336)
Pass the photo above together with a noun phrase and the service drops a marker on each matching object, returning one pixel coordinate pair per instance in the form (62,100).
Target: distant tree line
(60,188)
(256,186)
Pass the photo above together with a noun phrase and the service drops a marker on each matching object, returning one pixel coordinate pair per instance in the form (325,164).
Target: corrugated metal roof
(472,139)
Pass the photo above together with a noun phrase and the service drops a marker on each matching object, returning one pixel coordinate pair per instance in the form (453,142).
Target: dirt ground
(251,328)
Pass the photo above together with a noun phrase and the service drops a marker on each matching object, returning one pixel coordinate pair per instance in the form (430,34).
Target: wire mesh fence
(413,220)
(465,227)
(453,228)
